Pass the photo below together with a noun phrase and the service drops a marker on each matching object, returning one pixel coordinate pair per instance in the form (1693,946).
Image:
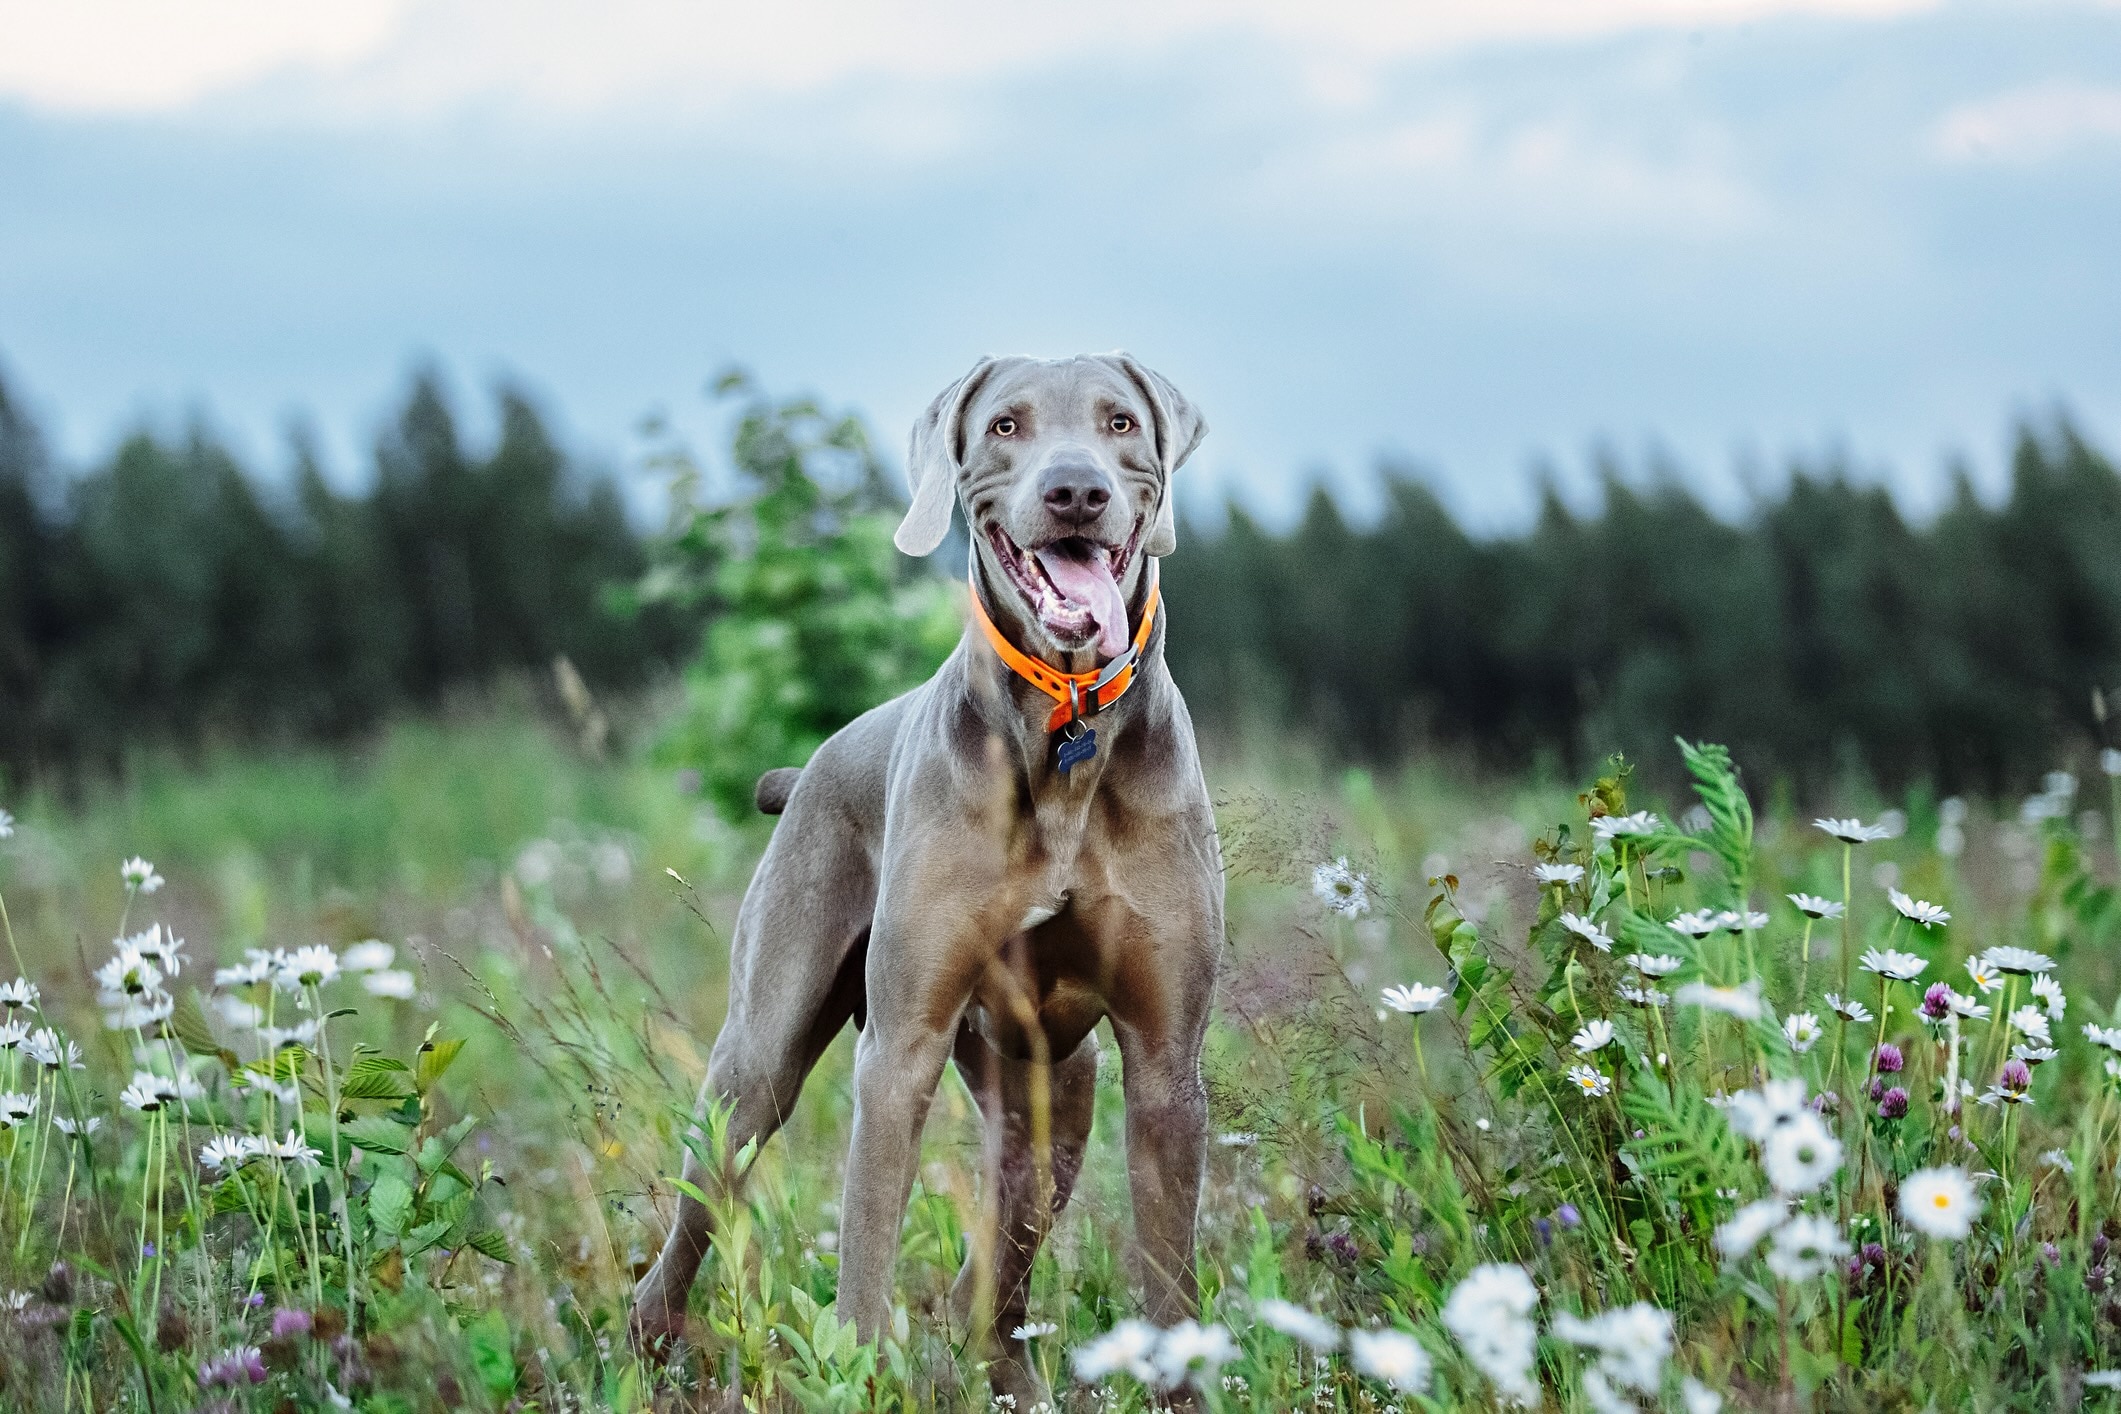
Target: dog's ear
(1178,430)
(934,455)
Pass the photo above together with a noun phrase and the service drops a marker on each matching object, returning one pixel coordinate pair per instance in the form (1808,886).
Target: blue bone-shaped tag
(1075,751)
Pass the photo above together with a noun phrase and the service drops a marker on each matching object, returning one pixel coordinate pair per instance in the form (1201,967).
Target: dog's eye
(1004,427)
(1121,423)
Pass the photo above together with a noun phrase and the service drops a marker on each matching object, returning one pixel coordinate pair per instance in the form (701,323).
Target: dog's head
(1064,469)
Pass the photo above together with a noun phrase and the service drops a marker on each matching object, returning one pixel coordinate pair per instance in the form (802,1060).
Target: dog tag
(1076,750)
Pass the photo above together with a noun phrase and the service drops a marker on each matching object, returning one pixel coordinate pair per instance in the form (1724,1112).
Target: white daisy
(1654,964)
(1292,1320)
(142,1095)
(69,1128)
(1588,1081)
(371,956)
(7,825)
(1128,1348)
(1800,1155)
(312,966)
(393,982)
(1489,1315)
(1567,875)
(2034,1055)
(257,966)
(139,875)
(1189,1349)
(1803,1030)
(1609,827)
(1899,966)
(1939,1202)
(1968,1009)
(1414,1000)
(292,1147)
(1595,1035)
(225,1153)
(1985,977)
(1034,1330)
(19,993)
(1853,831)
(1848,1008)
(2107,1036)
(129,973)
(1741,921)
(1633,1342)
(1742,1001)
(1643,996)
(1749,1226)
(2023,961)
(1916,910)
(13,1034)
(1756,1114)
(1590,932)
(1390,1356)
(2049,991)
(1341,889)
(1699,1398)
(15,1108)
(1812,906)
(1698,924)
(1806,1247)
(2031,1021)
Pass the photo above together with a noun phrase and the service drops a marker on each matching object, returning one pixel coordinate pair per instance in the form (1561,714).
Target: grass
(493,1155)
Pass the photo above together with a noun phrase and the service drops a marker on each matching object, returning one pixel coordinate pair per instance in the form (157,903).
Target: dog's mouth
(1072,586)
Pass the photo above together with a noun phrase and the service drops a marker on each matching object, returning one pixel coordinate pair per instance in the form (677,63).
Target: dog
(986,867)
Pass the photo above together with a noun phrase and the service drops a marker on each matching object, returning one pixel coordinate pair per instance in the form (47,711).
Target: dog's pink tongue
(1088,581)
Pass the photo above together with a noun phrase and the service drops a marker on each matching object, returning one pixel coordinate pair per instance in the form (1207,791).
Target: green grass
(1363,1178)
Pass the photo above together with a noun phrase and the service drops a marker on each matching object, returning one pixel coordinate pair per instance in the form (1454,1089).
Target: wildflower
(2031,1021)
(1590,932)
(2105,1379)
(1125,1349)
(1936,1005)
(1888,1060)
(1897,966)
(292,1147)
(1853,831)
(2107,1036)
(1589,1081)
(164,949)
(1237,1139)
(1654,964)
(312,966)
(2034,1055)
(1893,1104)
(16,1108)
(143,1095)
(225,1153)
(1741,921)
(1611,827)
(1812,906)
(1488,1314)
(371,956)
(19,993)
(2049,991)
(1190,1346)
(2110,761)
(1801,1154)
(1806,1247)
(1341,889)
(1915,910)
(13,1034)
(257,966)
(139,876)
(2013,1086)
(392,982)
(2056,1159)
(1566,875)
(1742,1001)
(129,973)
(1595,1035)
(2022,961)
(1413,1000)
(276,1038)
(1756,1114)
(1632,1342)
(1848,1008)
(1568,1217)
(1699,1398)
(243,1364)
(1293,1320)
(138,1015)
(1034,1330)
(1694,925)
(1803,1031)
(84,1128)
(1939,1202)
(1391,1356)
(1968,1009)
(7,825)
(1643,996)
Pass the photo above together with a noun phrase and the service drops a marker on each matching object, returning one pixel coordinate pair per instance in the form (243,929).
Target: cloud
(402,57)
(2030,124)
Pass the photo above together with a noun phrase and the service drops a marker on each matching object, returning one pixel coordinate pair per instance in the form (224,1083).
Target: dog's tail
(774,788)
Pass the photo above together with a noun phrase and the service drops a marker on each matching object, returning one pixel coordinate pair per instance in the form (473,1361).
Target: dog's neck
(1027,709)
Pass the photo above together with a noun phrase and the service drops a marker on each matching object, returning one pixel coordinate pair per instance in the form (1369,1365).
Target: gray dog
(988,866)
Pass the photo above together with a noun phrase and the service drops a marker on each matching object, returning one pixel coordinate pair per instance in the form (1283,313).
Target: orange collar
(1078,694)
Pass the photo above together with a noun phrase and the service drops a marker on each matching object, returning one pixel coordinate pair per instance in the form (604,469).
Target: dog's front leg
(1167,1146)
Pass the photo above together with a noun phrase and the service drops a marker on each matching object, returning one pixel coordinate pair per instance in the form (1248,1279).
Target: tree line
(166,597)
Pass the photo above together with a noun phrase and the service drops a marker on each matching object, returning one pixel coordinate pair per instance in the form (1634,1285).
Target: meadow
(1525,1092)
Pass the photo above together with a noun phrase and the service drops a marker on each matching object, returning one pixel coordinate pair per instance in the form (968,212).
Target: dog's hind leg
(797,979)
(1025,1213)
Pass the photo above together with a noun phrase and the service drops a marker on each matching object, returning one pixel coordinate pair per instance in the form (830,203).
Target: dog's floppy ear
(934,454)
(1179,429)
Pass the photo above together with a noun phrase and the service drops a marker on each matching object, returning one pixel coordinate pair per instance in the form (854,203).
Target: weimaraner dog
(988,866)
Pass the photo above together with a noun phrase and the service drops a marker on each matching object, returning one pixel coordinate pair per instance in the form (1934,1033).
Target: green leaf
(390,1204)
(492,1243)
(1686,1148)
(376,1078)
(1730,834)
(491,1347)
(436,1057)
(385,1136)
(188,1021)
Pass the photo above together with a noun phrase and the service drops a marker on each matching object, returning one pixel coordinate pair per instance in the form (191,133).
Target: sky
(1484,240)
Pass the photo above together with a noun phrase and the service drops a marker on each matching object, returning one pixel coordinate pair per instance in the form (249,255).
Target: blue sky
(1476,238)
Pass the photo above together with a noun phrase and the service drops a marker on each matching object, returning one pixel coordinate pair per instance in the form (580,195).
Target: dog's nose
(1075,491)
